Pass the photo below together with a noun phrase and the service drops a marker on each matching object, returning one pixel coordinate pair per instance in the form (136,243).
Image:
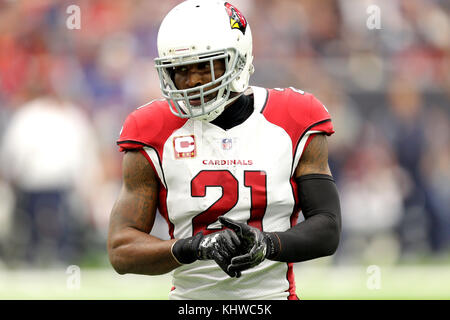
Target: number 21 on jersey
(256,181)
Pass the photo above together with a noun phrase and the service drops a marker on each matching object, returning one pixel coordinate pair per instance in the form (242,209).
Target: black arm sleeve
(319,234)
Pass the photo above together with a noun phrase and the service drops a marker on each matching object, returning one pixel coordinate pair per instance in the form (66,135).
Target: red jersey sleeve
(149,126)
(297,112)
(129,135)
(319,117)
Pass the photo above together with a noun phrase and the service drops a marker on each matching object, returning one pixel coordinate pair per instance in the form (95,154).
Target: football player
(229,166)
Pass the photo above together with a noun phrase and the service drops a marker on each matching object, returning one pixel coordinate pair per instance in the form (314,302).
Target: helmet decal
(237,20)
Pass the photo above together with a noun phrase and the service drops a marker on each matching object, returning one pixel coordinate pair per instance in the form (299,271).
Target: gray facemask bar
(174,96)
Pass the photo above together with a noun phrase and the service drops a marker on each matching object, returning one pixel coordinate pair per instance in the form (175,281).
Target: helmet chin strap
(211,116)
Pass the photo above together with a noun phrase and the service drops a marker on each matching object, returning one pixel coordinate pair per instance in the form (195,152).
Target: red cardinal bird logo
(237,20)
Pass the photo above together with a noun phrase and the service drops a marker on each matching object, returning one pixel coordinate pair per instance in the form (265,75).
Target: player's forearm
(319,234)
(313,238)
(133,251)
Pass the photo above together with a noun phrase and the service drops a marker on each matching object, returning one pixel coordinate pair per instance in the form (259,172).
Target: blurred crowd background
(64,95)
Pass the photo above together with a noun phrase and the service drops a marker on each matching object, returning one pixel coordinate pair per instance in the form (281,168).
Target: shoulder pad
(297,112)
(149,125)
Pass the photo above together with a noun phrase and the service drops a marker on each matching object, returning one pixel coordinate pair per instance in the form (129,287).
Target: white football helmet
(197,31)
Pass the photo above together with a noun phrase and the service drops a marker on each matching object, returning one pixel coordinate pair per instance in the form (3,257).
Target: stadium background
(65,93)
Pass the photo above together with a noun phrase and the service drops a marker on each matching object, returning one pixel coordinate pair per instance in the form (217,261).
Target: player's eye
(181,69)
(204,66)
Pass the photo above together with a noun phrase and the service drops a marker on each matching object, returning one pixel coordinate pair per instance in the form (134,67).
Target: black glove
(256,245)
(220,246)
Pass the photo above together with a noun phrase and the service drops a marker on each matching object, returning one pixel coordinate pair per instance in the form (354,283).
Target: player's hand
(220,246)
(254,245)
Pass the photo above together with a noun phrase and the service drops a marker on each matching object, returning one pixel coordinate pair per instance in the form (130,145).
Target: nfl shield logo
(227,143)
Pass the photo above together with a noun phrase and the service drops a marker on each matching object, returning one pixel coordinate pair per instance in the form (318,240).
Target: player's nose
(194,79)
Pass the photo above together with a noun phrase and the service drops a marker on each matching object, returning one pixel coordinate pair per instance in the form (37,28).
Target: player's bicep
(314,158)
(136,205)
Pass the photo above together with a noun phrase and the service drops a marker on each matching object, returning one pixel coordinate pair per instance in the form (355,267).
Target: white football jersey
(244,173)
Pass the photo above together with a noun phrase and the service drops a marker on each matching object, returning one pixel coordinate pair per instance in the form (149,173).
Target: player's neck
(236,113)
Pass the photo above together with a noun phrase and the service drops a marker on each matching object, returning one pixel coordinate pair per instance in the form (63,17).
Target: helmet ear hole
(251,69)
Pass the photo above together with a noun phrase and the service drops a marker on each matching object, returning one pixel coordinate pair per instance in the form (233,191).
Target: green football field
(313,282)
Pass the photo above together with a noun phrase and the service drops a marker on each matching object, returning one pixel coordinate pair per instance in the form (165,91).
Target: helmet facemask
(180,100)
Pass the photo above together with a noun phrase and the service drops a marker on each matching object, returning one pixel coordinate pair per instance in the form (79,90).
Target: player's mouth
(197,101)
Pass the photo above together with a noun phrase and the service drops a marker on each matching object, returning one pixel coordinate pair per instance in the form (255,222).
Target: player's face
(198,74)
